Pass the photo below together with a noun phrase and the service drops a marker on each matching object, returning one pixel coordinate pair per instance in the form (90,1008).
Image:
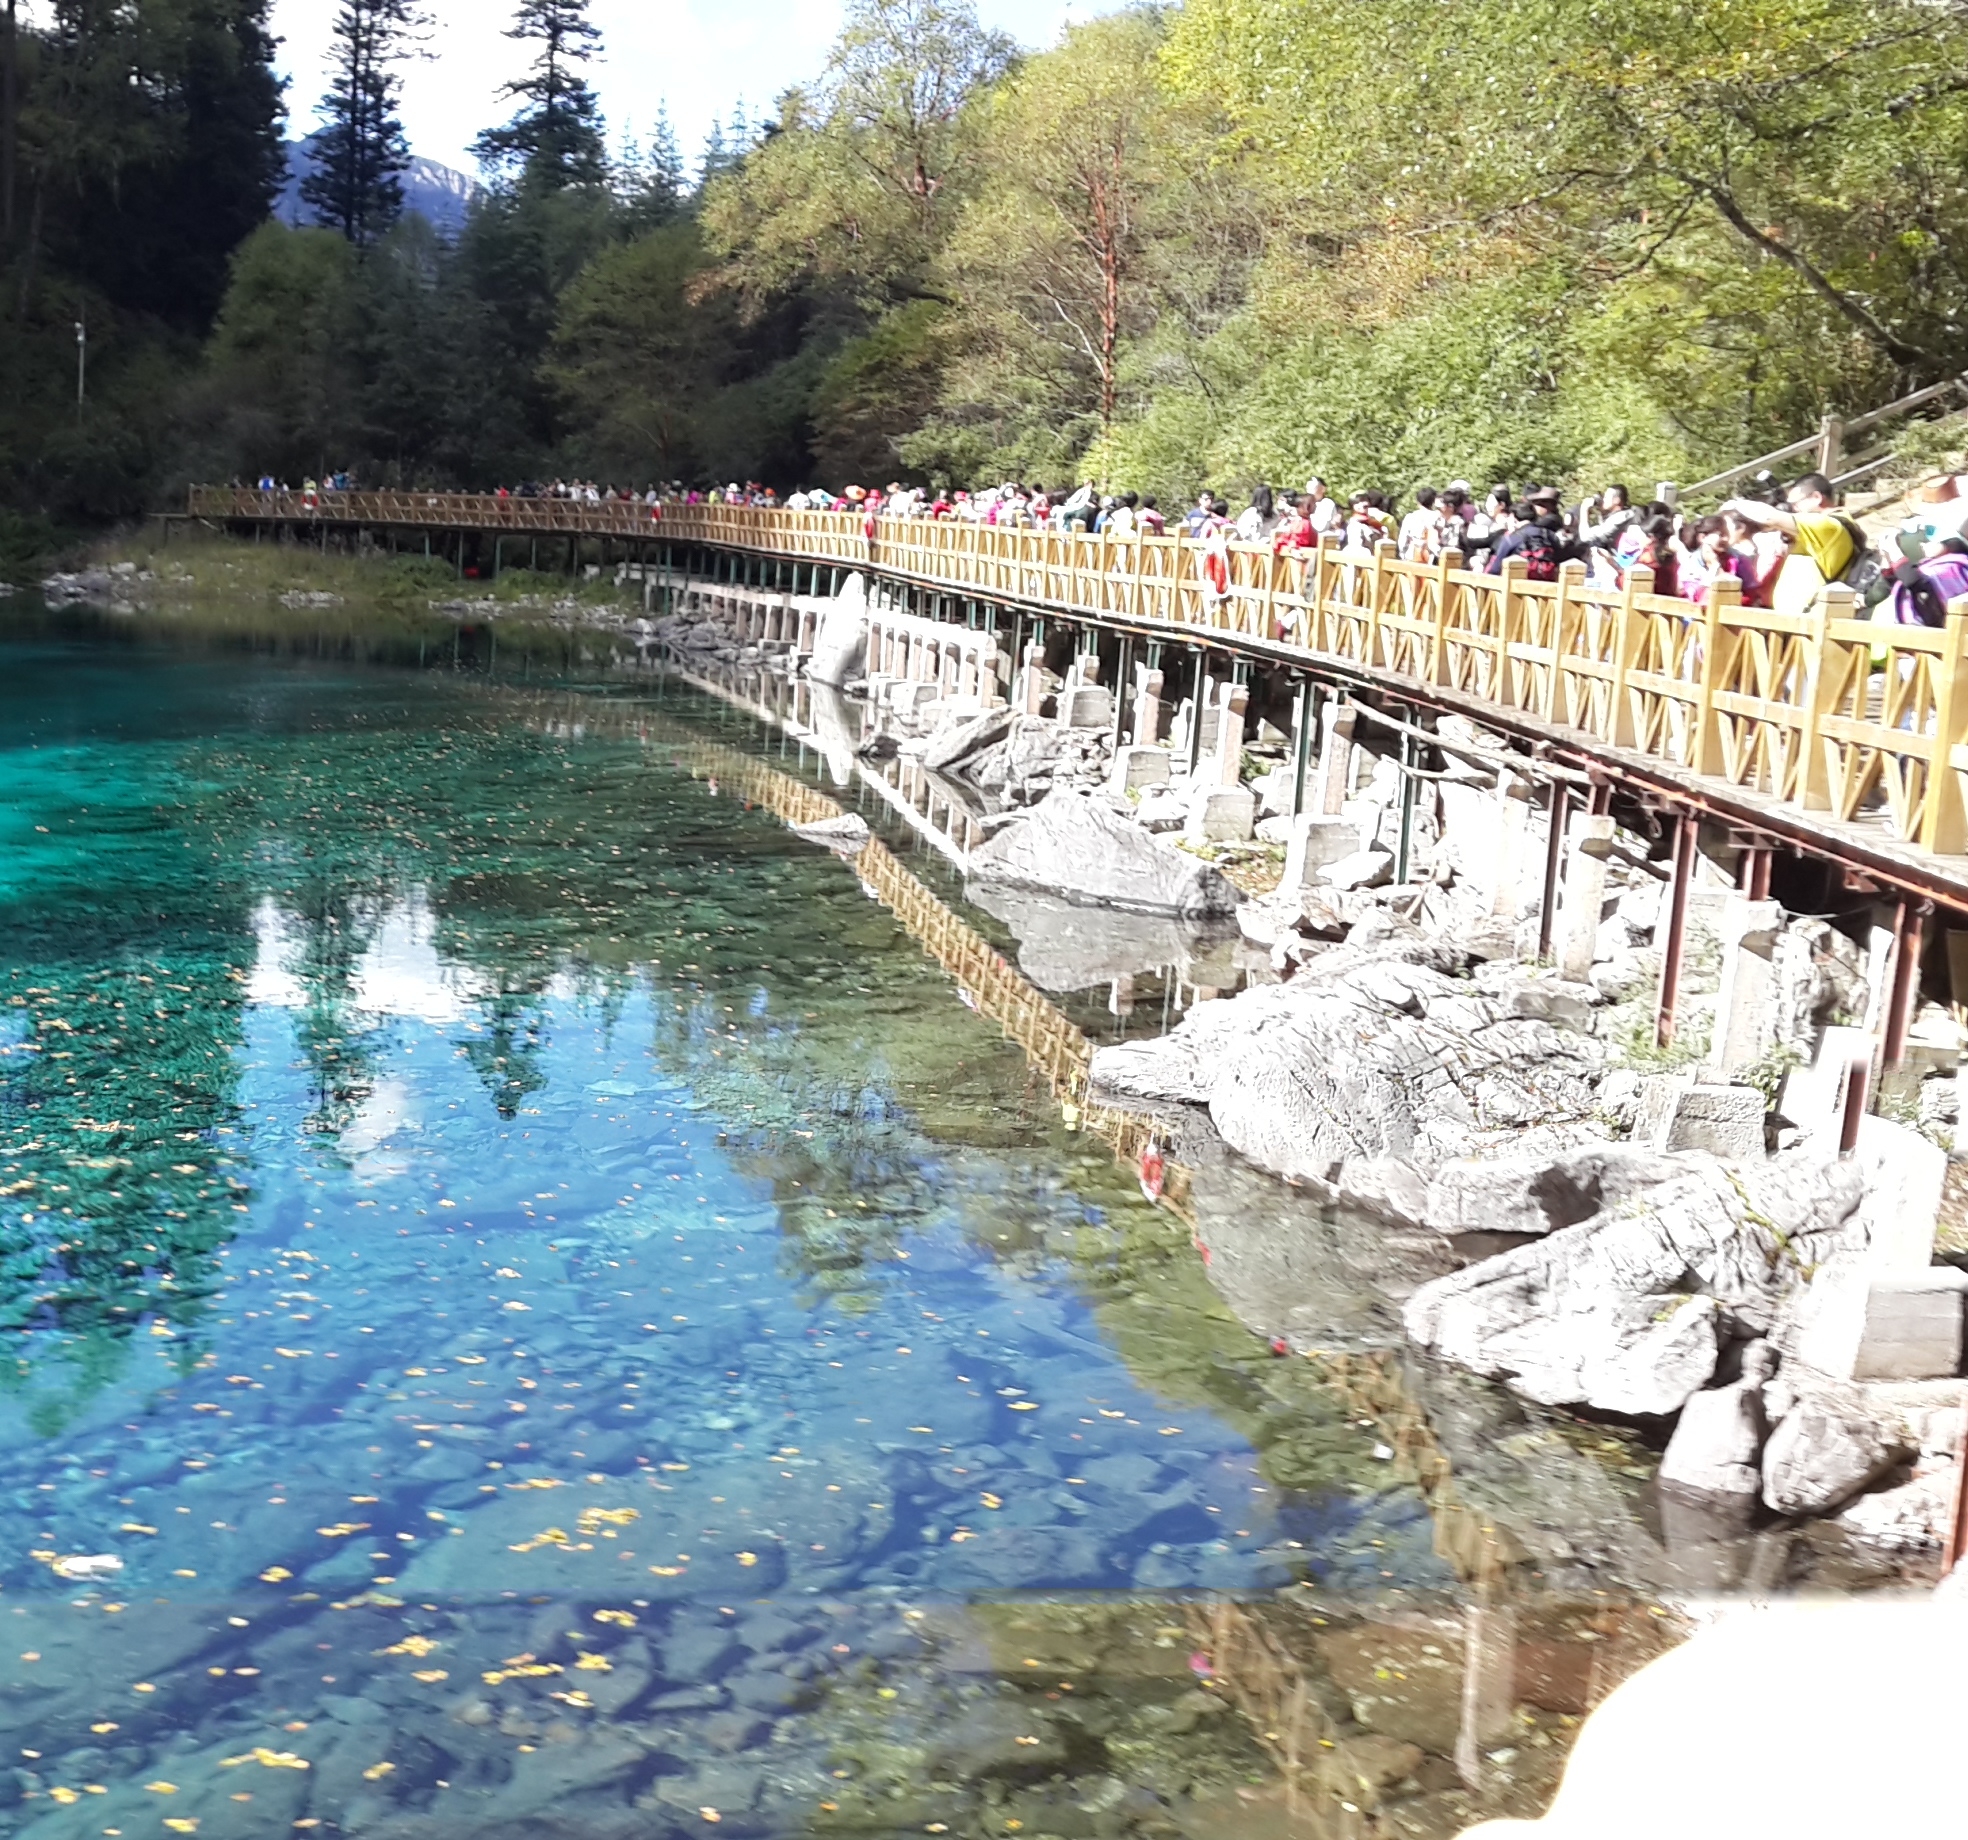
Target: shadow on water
(532,1307)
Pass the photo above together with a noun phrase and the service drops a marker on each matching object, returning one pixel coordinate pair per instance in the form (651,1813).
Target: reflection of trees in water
(117,1193)
(508,1057)
(336,929)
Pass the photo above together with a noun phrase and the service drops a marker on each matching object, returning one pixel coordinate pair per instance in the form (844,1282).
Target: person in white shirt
(1322,511)
(1257,520)
(1420,537)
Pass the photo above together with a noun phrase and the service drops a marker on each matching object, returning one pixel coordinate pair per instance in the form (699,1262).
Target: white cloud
(696,56)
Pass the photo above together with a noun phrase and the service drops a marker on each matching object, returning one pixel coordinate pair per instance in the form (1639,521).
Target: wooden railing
(1824,712)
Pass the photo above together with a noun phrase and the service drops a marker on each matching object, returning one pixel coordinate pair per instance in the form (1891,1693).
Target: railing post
(1379,586)
(1819,688)
(1943,819)
(1629,630)
(1564,620)
(1705,744)
(1831,445)
(1441,668)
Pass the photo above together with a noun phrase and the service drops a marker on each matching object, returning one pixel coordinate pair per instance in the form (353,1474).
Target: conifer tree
(555,139)
(361,151)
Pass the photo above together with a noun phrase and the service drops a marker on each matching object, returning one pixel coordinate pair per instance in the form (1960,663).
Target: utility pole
(81,365)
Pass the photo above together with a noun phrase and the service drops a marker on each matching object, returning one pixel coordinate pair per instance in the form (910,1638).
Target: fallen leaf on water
(410,1645)
(65,1796)
(427,1675)
(181,1824)
(376,1771)
(162,1788)
(135,1527)
(1023,1405)
(990,1500)
(710,1814)
(621,1617)
(667,1571)
(342,1529)
(594,1664)
(748,1558)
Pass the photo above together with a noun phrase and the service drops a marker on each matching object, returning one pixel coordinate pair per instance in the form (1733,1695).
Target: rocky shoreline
(1672,1242)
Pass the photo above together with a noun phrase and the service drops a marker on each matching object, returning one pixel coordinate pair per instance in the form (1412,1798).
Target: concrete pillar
(1506,846)
(1034,677)
(1335,762)
(1489,1669)
(1147,706)
(1584,898)
(1088,667)
(1185,713)
(1230,736)
(1744,1026)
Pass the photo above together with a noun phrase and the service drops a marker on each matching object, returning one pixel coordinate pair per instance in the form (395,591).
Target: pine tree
(726,146)
(555,139)
(360,151)
(651,181)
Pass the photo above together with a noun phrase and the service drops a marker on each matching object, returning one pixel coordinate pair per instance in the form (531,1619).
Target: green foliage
(1210,243)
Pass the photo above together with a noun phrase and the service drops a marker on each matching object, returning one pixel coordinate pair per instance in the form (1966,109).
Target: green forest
(1383,240)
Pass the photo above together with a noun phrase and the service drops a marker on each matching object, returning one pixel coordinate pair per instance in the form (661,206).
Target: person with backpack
(1536,535)
(1922,590)
(1824,546)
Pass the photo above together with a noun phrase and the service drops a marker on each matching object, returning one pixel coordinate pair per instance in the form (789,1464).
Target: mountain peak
(439,194)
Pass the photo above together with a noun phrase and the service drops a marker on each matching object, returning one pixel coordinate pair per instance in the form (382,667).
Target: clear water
(550,1316)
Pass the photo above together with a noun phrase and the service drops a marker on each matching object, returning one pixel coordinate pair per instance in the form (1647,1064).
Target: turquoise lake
(532,1305)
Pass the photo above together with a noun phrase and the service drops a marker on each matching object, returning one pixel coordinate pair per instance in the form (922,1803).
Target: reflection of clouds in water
(398,974)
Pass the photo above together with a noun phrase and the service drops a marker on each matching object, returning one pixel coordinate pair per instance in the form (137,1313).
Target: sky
(697,57)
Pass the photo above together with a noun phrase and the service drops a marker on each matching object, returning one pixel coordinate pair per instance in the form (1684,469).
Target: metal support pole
(1686,832)
(1404,849)
(1554,861)
(1198,703)
(1756,872)
(1308,709)
(1909,936)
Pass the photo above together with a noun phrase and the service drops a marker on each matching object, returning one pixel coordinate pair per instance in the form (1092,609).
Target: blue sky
(696,56)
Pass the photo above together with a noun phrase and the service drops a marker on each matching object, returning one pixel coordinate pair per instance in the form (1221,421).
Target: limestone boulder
(1626,1312)
(1084,849)
(1370,1052)
(959,743)
(1515,1194)
(1829,1446)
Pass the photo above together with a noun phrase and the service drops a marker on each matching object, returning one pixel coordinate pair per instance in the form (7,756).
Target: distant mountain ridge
(440,195)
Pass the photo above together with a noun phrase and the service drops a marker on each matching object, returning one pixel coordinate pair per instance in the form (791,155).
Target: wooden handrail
(1825,714)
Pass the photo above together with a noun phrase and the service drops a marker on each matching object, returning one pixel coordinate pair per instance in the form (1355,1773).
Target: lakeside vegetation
(1217,242)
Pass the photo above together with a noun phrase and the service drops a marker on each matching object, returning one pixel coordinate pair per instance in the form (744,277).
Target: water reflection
(552,1317)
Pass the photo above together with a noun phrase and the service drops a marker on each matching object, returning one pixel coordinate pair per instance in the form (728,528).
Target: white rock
(1828,1447)
(1601,1314)
(1084,849)
(1910,1518)
(1542,1194)
(1363,869)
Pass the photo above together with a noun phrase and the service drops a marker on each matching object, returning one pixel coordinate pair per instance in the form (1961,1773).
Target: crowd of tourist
(1782,546)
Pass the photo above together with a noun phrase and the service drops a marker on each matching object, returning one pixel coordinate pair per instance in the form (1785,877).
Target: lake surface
(532,1306)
